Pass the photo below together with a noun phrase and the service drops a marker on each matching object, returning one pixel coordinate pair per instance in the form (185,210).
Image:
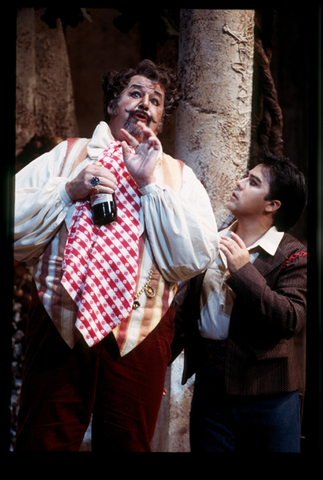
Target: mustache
(149,117)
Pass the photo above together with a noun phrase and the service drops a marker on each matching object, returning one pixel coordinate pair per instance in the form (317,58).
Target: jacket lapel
(266,263)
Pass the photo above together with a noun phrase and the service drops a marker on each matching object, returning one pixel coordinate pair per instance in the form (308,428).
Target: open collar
(268,242)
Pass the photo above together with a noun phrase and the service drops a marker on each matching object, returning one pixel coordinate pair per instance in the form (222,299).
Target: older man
(100,324)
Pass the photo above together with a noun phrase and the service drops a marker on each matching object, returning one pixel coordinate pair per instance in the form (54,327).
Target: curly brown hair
(114,84)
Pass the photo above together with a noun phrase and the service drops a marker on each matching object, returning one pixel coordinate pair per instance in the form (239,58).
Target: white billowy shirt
(217,298)
(180,227)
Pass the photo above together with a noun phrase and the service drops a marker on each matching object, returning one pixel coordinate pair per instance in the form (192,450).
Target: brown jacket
(269,309)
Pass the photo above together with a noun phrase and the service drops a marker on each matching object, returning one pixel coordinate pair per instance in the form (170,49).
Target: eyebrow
(135,85)
(255,177)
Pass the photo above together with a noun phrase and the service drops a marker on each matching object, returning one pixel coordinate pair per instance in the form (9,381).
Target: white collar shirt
(217,298)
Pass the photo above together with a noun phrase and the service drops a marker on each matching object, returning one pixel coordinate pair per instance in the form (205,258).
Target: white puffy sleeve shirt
(181,227)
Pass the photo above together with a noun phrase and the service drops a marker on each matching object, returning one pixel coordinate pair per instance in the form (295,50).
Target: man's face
(142,100)
(248,199)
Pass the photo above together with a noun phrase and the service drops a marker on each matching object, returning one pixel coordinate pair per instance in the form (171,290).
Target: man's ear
(272,206)
(112,109)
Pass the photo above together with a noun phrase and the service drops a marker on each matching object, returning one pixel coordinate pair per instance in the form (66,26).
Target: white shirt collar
(269,241)
(101,139)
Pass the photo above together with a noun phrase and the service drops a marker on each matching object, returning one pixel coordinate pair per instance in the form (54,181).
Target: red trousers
(62,387)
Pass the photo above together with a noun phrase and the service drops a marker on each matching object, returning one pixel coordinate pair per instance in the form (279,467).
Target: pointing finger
(132,141)
(125,151)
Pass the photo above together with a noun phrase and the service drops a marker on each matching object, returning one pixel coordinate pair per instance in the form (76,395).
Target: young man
(100,323)
(237,321)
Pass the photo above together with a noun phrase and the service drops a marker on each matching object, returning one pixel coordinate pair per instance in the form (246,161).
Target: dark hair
(287,184)
(114,84)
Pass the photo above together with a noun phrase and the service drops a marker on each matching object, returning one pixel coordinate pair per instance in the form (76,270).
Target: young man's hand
(235,251)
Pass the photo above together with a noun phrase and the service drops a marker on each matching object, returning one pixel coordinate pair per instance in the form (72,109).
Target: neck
(250,232)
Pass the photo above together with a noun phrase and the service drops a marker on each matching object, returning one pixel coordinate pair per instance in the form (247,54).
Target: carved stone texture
(213,126)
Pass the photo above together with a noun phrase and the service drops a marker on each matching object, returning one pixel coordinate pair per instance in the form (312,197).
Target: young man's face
(248,199)
(142,100)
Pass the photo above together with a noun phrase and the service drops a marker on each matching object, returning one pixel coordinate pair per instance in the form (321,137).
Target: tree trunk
(214,119)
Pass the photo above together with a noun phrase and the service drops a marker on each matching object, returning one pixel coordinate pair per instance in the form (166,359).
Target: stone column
(213,123)
(213,133)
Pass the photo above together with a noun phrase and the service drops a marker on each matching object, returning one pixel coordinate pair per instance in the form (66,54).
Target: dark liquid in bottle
(104,208)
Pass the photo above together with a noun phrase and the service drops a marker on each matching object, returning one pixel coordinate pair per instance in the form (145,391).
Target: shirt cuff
(64,196)
(151,188)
